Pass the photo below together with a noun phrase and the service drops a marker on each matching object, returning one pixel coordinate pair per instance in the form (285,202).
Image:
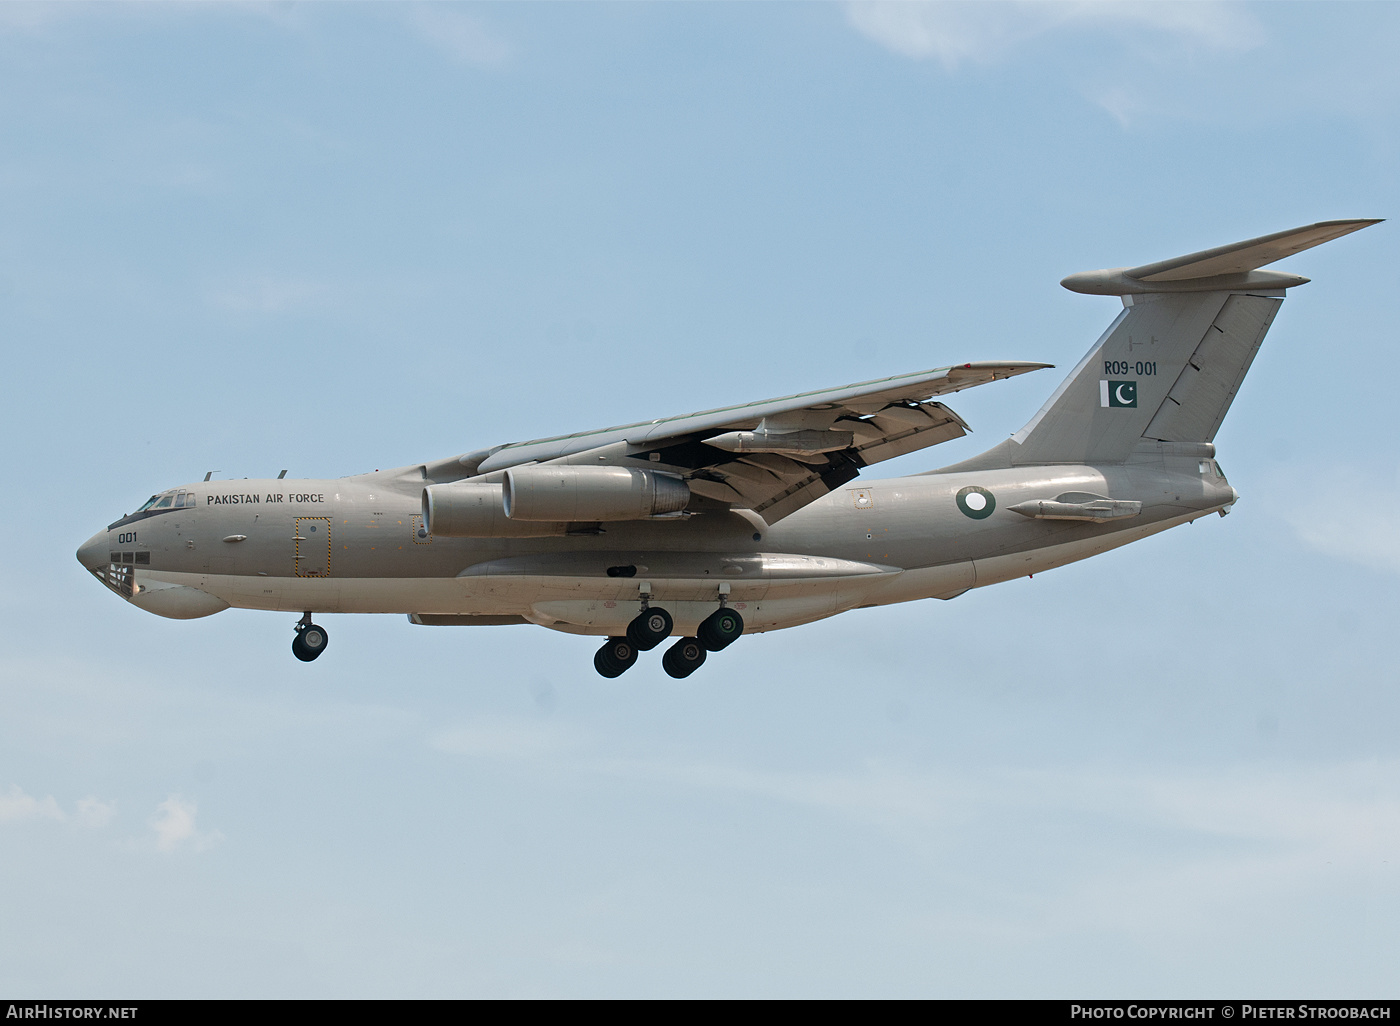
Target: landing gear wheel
(720,629)
(650,628)
(683,658)
(310,642)
(615,657)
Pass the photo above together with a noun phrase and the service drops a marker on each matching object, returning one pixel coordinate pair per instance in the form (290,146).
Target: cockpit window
(180,501)
(149,503)
(165,502)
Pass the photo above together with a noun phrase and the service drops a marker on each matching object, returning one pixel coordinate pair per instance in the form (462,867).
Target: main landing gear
(653,625)
(310,640)
(615,657)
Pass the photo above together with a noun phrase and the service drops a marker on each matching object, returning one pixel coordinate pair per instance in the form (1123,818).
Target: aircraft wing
(777,455)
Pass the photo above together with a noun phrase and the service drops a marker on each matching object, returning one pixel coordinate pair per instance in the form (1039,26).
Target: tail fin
(1168,367)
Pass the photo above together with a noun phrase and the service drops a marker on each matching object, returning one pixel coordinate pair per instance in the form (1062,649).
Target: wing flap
(787,459)
(936,424)
(862,398)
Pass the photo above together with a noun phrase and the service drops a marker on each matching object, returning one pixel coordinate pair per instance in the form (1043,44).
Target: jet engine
(591,493)
(541,502)
(474,510)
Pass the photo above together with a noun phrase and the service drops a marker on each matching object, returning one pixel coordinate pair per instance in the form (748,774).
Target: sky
(339,237)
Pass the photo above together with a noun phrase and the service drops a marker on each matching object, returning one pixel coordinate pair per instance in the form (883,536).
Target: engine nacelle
(591,493)
(475,510)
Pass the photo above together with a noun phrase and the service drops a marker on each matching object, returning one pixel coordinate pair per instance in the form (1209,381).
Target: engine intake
(591,493)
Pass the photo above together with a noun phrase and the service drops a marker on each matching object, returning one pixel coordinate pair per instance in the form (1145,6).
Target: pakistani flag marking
(1118,394)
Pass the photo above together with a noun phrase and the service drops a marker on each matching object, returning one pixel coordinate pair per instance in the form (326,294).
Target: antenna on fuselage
(208,475)
(281,475)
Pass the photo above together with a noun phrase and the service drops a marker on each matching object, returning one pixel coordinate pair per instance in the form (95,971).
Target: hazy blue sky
(336,237)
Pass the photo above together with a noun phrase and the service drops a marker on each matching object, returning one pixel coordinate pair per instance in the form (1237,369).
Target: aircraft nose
(93,552)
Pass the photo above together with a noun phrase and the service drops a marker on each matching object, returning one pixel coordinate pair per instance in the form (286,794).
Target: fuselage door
(313,546)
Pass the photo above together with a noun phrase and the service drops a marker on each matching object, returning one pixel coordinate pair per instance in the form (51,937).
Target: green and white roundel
(977,503)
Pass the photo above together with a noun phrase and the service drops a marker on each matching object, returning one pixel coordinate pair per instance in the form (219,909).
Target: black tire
(615,658)
(720,629)
(683,658)
(310,642)
(650,628)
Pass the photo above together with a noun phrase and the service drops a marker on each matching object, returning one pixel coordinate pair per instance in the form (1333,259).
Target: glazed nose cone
(93,552)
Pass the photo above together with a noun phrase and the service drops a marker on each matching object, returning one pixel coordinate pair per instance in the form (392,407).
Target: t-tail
(1163,375)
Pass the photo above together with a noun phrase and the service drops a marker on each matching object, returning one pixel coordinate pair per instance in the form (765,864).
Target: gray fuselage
(358,544)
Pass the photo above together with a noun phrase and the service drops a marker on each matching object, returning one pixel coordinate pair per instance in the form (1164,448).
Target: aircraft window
(149,503)
(180,501)
(165,502)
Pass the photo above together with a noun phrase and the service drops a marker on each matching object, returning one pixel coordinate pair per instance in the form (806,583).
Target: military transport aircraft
(749,518)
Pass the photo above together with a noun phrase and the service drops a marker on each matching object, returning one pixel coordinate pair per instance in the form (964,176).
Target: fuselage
(359,545)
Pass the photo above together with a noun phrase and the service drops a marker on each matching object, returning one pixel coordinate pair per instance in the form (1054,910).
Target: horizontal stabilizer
(1235,266)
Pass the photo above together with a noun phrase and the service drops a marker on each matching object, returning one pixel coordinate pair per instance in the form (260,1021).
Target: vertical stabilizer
(1168,367)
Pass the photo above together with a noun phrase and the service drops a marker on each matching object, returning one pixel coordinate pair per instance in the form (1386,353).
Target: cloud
(16,806)
(21,16)
(266,294)
(1150,852)
(877,793)
(507,738)
(461,35)
(175,827)
(1319,813)
(95,813)
(1352,519)
(956,33)
(1232,839)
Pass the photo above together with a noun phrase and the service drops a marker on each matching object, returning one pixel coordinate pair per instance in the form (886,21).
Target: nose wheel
(310,640)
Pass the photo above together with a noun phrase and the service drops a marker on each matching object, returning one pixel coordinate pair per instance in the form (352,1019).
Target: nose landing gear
(310,640)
